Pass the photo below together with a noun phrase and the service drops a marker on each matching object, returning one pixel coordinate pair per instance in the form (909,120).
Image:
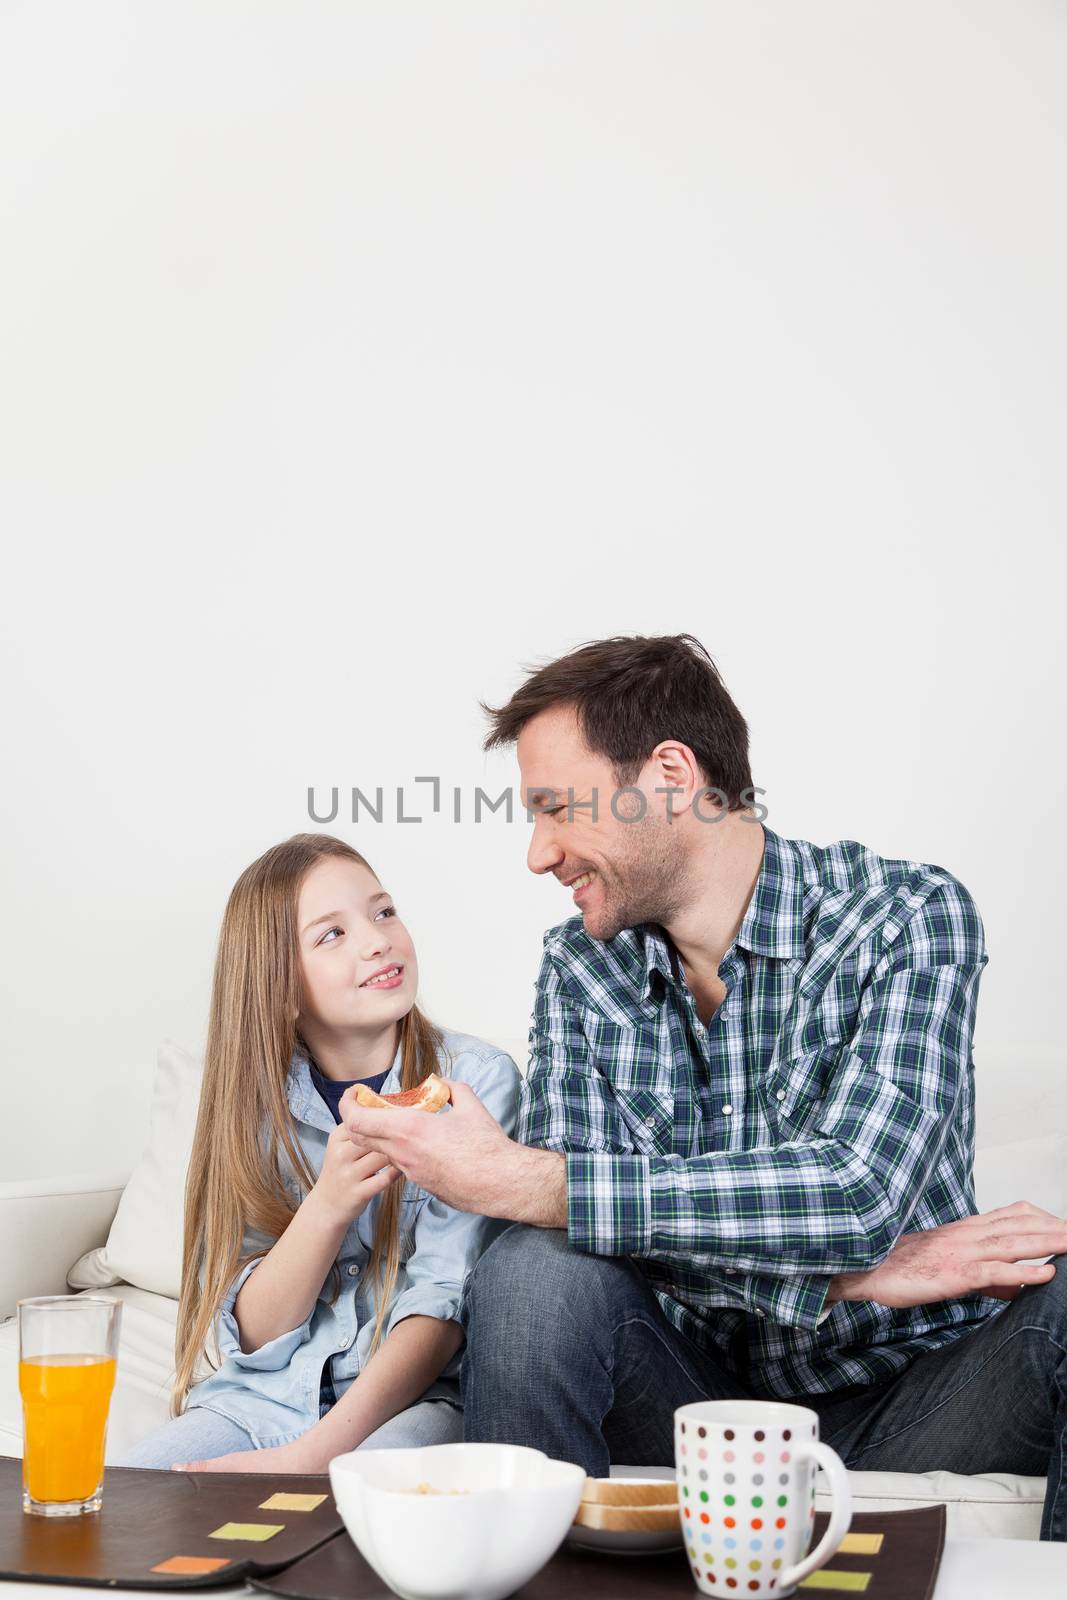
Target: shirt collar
(659,962)
(773,924)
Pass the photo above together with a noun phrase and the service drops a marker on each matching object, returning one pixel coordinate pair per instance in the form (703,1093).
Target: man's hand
(464,1157)
(978,1255)
(459,1155)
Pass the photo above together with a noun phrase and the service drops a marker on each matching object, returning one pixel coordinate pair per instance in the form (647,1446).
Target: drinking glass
(68,1353)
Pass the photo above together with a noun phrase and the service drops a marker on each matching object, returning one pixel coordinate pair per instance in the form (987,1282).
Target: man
(745,1147)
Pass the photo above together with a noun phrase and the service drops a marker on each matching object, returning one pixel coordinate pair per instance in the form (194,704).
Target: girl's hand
(350,1178)
(297,1456)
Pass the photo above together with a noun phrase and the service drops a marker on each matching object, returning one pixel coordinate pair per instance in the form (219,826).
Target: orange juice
(65,1403)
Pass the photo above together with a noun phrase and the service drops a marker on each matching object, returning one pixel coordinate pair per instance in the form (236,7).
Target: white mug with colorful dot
(746,1495)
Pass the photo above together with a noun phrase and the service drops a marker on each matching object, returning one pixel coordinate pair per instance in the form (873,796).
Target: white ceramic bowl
(481,1545)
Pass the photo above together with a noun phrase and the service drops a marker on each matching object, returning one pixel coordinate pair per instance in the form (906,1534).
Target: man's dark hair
(629,694)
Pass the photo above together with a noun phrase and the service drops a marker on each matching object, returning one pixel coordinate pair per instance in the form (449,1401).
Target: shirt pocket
(648,1116)
(412,1200)
(795,1090)
(630,1056)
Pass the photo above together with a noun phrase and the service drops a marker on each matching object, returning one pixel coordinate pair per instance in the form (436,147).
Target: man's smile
(580,883)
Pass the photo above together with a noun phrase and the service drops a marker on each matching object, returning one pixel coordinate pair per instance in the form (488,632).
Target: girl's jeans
(200,1435)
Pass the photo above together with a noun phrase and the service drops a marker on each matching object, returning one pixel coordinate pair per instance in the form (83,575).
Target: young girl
(331,1285)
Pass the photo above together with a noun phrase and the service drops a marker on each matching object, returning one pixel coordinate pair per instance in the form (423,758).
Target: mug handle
(840,1512)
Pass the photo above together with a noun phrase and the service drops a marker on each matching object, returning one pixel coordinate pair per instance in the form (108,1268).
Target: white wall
(355,355)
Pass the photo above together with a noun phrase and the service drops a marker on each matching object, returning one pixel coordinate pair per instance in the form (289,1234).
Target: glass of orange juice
(68,1353)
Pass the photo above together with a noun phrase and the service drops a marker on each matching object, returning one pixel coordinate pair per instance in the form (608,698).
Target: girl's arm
(280,1294)
(409,1358)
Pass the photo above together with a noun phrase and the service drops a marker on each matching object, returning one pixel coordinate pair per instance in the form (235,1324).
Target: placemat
(889,1555)
(168,1530)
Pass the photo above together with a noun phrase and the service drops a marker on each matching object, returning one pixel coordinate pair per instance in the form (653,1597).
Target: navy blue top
(331,1089)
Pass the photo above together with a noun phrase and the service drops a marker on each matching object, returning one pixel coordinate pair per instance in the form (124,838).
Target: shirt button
(353,1270)
(780,1095)
(650,1122)
(726,1110)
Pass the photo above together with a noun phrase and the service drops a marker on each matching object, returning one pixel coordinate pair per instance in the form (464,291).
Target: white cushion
(994,1505)
(144,1246)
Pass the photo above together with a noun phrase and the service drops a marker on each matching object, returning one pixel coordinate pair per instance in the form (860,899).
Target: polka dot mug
(746,1496)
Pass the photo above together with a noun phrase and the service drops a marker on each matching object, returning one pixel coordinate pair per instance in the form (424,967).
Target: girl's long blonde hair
(235,1176)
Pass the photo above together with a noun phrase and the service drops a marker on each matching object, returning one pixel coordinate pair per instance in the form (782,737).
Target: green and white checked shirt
(826,1109)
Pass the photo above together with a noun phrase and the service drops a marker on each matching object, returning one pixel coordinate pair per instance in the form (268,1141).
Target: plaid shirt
(825,1110)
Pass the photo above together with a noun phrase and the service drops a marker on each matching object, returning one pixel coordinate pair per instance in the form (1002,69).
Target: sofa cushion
(144,1246)
(993,1505)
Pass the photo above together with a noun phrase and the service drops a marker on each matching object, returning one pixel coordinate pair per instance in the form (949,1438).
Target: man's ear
(678,771)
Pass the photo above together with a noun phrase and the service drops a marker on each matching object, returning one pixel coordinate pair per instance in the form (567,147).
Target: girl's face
(349,933)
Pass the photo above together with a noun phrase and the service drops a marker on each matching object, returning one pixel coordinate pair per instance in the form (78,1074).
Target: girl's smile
(385,978)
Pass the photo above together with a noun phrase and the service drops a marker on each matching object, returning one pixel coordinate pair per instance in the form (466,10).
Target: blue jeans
(571,1354)
(201,1435)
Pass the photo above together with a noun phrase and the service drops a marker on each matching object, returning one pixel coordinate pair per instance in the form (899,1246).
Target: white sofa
(122,1233)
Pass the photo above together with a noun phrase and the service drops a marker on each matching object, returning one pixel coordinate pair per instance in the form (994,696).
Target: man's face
(637,862)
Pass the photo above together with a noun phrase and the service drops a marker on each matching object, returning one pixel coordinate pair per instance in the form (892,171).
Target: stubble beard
(650,885)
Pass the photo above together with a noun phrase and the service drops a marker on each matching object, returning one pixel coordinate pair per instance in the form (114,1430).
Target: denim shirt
(273,1392)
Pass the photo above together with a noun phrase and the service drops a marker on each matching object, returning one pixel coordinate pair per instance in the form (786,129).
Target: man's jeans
(571,1354)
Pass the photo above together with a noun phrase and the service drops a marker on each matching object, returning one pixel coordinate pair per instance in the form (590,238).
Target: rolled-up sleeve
(277,1352)
(449,1242)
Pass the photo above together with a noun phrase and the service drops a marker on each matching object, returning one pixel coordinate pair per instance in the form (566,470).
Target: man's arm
(472,1164)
